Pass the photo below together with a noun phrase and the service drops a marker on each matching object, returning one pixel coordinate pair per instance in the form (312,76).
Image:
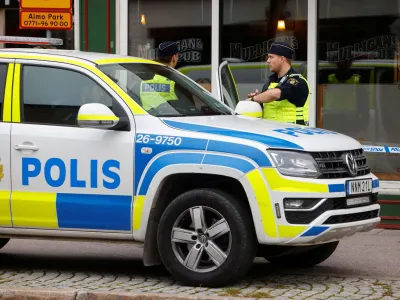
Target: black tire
(243,243)
(306,259)
(3,242)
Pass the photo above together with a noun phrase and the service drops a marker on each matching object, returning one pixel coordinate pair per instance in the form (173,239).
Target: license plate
(357,201)
(362,186)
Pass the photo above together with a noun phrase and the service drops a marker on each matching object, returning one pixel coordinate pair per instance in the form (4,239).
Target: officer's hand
(253,94)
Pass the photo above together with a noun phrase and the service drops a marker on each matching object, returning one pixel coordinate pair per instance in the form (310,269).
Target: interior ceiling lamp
(143,19)
(281,25)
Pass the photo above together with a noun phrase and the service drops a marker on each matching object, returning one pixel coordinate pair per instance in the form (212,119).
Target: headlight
(295,164)
(296,204)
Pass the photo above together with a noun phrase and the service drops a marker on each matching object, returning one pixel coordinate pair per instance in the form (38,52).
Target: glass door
(227,90)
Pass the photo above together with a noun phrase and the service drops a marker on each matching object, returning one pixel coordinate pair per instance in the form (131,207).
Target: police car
(202,187)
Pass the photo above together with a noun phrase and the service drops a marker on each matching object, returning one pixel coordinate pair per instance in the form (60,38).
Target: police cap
(282,49)
(168,49)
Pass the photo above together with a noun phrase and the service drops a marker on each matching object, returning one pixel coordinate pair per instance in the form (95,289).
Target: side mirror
(96,115)
(249,109)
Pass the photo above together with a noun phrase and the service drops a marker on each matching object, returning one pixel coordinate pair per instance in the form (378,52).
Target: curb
(21,293)
(145,296)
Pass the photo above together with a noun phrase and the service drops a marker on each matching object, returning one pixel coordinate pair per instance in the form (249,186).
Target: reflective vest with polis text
(157,91)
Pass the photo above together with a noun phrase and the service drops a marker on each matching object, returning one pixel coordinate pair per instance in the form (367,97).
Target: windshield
(163,91)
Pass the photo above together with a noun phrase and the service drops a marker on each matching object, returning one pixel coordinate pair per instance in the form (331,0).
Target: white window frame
(312,21)
(122,26)
(77,24)
(215,38)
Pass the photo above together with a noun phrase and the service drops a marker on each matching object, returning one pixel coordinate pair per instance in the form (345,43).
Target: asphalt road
(375,254)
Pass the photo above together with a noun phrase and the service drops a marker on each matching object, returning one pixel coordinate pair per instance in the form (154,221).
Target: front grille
(332,164)
(352,217)
(306,217)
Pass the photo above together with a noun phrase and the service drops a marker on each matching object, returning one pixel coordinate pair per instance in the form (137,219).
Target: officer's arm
(268,96)
(295,90)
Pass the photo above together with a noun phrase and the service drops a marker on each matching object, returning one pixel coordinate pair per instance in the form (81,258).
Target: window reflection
(152,22)
(358,77)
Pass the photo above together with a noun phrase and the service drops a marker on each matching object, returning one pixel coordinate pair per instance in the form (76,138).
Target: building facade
(349,50)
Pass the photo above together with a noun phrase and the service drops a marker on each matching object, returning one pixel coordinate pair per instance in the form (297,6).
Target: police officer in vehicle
(159,91)
(285,96)
(168,54)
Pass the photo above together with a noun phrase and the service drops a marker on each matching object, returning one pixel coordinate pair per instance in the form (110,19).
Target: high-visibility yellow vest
(157,91)
(355,78)
(283,110)
(342,99)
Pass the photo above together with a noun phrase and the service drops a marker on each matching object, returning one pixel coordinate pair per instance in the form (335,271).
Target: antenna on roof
(31,40)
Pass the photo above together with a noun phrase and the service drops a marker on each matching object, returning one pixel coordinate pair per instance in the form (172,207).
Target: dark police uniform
(292,106)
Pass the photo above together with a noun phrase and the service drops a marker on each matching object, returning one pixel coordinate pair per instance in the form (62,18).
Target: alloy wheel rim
(201,239)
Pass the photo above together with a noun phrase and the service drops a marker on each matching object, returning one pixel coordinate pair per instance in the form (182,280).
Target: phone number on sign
(159,139)
(47,23)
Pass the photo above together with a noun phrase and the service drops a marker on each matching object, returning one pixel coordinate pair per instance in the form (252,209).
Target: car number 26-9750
(356,187)
(158,139)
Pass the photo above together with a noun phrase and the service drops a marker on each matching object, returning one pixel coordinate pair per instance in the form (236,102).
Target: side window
(51,95)
(3,76)
(229,90)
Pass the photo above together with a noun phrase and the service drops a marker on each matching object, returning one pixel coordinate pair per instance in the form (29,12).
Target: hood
(272,134)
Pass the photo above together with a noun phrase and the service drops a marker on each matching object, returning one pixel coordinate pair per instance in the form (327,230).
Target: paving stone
(276,286)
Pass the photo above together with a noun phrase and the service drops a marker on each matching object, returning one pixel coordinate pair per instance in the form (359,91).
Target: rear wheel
(307,257)
(206,237)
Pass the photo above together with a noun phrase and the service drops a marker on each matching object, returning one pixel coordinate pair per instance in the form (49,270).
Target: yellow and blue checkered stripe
(71,211)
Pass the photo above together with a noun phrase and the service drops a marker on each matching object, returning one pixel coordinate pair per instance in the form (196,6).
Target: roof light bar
(30,40)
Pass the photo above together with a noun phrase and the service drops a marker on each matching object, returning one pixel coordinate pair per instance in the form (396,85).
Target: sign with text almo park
(45,14)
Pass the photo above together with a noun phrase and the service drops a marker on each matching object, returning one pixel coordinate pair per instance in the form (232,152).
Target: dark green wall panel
(112,26)
(95,19)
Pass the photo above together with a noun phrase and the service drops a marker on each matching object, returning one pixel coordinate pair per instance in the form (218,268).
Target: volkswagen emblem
(351,164)
(203,238)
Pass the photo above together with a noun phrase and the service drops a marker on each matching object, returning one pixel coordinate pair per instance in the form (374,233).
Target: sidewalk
(365,266)
(382,232)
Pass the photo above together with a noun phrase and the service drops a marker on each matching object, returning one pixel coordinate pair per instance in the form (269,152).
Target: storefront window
(187,22)
(358,77)
(249,29)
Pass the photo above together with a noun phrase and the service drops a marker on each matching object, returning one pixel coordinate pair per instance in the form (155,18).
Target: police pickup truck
(91,151)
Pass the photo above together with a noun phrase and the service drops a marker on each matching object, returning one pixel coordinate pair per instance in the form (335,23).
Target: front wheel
(306,258)
(206,237)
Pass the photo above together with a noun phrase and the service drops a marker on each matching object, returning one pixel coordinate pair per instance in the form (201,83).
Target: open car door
(227,90)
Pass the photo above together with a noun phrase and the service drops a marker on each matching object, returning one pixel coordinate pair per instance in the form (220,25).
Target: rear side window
(3,76)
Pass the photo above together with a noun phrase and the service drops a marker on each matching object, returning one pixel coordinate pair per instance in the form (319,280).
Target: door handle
(26,147)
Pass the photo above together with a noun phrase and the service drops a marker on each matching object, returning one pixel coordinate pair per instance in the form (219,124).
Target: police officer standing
(347,99)
(342,100)
(285,96)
